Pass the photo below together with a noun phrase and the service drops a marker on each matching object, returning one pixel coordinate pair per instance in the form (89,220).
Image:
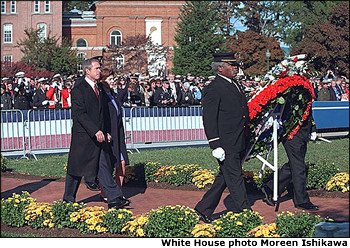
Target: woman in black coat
(118,147)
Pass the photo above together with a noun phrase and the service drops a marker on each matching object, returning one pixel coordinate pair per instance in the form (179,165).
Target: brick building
(109,22)
(106,23)
(18,15)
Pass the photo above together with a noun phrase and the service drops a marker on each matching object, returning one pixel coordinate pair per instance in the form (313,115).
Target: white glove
(44,102)
(313,136)
(47,86)
(59,86)
(53,85)
(219,153)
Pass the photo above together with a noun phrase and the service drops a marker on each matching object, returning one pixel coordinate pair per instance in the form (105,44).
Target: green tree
(80,5)
(328,42)
(298,17)
(197,37)
(49,53)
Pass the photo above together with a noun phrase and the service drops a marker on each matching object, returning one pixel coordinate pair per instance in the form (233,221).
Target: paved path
(145,199)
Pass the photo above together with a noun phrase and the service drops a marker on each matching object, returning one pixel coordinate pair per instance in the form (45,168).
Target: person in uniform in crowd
(54,92)
(323,93)
(6,101)
(163,96)
(295,169)
(22,96)
(175,89)
(118,153)
(66,94)
(122,92)
(40,101)
(225,119)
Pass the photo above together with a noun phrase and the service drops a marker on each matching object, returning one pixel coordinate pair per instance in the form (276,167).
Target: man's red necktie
(96,91)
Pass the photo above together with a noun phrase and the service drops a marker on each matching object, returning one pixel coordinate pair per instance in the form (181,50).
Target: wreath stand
(274,166)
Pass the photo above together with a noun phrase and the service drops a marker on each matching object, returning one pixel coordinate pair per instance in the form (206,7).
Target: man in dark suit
(225,118)
(295,169)
(90,133)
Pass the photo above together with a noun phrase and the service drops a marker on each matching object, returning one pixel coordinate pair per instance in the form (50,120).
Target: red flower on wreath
(271,91)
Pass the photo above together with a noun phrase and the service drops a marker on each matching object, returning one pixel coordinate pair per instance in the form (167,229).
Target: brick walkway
(143,200)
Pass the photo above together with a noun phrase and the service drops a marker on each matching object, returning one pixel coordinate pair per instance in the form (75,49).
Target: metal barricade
(49,129)
(13,132)
(127,123)
(174,124)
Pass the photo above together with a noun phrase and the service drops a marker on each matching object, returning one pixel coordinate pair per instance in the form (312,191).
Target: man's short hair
(214,66)
(87,64)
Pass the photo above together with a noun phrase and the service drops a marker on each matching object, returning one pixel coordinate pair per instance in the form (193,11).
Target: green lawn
(336,152)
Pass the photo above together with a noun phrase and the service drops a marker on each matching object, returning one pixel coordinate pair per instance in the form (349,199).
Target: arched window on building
(116,38)
(81,56)
(81,43)
(117,61)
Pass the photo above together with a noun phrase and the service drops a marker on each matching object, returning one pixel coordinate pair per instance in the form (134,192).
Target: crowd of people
(21,92)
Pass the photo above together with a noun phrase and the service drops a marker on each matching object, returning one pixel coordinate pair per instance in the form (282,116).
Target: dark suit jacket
(89,115)
(225,116)
(118,145)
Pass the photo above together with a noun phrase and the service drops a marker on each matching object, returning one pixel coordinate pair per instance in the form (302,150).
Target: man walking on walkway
(225,117)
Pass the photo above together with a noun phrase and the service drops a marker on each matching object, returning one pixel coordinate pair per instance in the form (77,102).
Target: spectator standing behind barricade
(54,92)
(39,100)
(66,94)
(122,91)
(324,94)
(185,96)
(344,89)
(175,88)
(22,99)
(163,96)
(6,101)
(336,89)
(134,96)
(332,93)
(148,94)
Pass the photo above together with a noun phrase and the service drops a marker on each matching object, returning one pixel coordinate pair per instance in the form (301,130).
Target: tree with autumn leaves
(328,42)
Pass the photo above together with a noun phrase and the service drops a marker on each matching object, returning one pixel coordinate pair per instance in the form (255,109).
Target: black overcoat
(89,115)
(225,116)
(117,132)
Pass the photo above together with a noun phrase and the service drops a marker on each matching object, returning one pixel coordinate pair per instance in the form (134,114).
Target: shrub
(88,220)
(296,225)
(203,177)
(263,231)
(267,174)
(62,210)
(237,225)
(12,209)
(150,169)
(136,226)
(176,174)
(39,215)
(204,231)
(339,182)
(114,220)
(3,163)
(319,174)
(171,222)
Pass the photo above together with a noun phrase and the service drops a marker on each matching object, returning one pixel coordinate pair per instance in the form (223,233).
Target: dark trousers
(105,176)
(230,176)
(71,187)
(294,170)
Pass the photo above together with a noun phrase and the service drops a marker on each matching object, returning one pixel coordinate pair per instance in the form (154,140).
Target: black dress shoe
(206,219)
(118,203)
(92,186)
(268,195)
(307,206)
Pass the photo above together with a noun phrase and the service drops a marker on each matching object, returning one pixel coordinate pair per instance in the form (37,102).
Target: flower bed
(178,175)
(165,221)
